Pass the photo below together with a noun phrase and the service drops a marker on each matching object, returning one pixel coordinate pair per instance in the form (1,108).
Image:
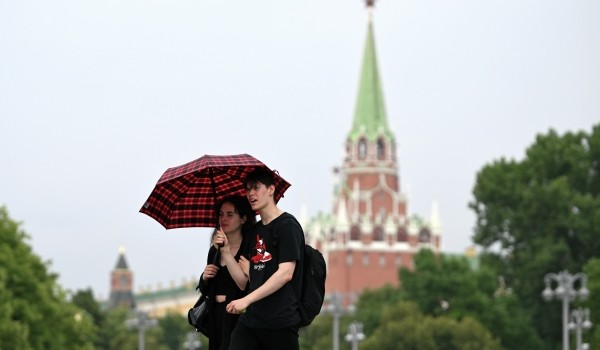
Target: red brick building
(369,235)
(121,284)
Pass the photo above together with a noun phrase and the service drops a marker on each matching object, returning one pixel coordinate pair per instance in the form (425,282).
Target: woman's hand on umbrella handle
(220,239)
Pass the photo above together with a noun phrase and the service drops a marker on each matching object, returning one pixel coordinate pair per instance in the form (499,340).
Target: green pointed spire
(370,118)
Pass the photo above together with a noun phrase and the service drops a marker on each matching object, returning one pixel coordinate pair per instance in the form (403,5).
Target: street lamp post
(141,322)
(580,320)
(566,292)
(191,341)
(355,334)
(336,309)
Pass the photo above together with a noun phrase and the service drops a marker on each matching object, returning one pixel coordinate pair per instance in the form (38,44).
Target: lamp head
(584,293)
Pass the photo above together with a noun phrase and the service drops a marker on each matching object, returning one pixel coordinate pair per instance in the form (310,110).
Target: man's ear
(271,190)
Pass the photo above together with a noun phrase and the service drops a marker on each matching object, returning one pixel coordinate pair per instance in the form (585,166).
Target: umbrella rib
(212,183)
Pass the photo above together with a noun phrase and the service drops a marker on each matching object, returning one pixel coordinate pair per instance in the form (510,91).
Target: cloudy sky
(98,98)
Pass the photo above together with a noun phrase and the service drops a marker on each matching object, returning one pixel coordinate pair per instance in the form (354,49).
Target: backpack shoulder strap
(279,221)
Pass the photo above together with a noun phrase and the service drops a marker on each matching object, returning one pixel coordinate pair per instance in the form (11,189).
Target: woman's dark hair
(242,207)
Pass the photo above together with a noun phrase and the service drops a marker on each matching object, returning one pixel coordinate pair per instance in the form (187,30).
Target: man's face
(259,195)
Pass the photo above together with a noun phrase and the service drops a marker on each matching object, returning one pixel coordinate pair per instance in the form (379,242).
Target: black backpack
(314,273)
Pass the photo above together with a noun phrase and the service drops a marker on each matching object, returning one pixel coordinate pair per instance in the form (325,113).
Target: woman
(225,281)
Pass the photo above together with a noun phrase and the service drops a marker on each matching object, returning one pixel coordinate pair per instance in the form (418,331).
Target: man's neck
(269,214)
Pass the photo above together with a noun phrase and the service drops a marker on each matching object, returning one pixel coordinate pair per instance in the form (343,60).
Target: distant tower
(121,284)
(369,234)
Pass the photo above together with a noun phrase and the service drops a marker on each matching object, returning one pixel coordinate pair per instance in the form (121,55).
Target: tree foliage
(34,312)
(372,303)
(404,327)
(592,270)
(85,300)
(174,329)
(318,335)
(541,215)
(447,285)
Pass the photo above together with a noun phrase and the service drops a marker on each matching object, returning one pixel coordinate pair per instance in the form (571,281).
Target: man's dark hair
(260,175)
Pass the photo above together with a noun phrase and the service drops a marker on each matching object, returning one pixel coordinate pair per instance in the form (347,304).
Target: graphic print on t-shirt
(260,251)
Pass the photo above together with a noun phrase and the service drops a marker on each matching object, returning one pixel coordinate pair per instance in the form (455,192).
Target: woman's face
(229,220)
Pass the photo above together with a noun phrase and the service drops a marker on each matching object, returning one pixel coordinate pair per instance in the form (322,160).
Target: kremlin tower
(369,235)
(121,284)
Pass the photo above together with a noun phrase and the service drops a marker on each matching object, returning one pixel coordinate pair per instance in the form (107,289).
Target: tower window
(362,149)
(355,233)
(380,149)
(402,236)
(424,236)
(378,233)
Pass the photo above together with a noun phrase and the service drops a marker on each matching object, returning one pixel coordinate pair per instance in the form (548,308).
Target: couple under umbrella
(190,195)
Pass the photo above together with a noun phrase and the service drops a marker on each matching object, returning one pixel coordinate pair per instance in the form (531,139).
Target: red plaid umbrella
(187,195)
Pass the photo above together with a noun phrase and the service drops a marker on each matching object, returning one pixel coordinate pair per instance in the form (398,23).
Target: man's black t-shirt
(280,309)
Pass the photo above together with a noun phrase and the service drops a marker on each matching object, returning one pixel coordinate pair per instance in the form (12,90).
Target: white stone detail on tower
(355,201)
(303,217)
(342,224)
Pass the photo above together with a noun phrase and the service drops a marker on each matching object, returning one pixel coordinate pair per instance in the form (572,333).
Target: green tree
(447,285)
(439,281)
(540,215)
(372,303)
(318,335)
(85,300)
(34,311)
(174,329)
(116,335)
(592,270)
(404,327)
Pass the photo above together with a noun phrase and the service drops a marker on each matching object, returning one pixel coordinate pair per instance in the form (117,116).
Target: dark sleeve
(290,240)
(202,285)
(244,247)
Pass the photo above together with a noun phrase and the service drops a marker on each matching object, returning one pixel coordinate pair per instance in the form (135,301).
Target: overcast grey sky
(98,98)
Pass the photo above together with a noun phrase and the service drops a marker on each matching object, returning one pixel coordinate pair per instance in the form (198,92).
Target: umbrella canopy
(187,195)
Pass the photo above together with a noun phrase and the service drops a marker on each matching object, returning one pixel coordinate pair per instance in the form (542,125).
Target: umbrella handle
(219,246)
(217,256)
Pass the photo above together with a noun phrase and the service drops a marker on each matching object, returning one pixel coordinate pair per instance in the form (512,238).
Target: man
(269,312)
